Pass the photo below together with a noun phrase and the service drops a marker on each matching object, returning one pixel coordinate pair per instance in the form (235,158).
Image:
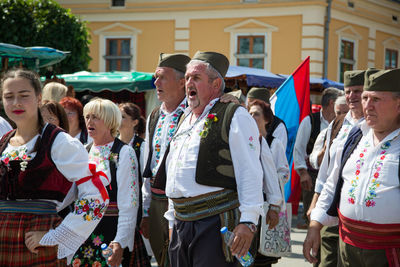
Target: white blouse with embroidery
(71,159)
(371,186)
(128,187)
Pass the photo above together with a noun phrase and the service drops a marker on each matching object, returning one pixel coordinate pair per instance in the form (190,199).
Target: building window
(347,60)
(251,51)
(391,59)
(117,3)
(118,54)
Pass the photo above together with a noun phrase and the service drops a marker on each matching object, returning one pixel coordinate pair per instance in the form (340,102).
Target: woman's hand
(32,240)
(116,258)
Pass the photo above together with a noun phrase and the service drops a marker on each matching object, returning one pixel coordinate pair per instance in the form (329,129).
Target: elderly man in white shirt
(363,188)
(337,133)
(209,181)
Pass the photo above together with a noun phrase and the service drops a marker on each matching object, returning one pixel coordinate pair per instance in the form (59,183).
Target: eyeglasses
(71,113)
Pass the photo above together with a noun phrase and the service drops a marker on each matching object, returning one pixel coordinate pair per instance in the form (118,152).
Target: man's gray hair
(329,94)
(396,94)
(211,72)
(179,74)
(341,100)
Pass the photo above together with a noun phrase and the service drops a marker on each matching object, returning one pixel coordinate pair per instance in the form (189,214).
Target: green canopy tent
(112,81)
(29,57)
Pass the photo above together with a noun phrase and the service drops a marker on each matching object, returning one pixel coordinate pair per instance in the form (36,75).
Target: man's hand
(32,240)
(312,205)
(305,180)
(116,258)
(272,218)
(226,98)
(242,241)
(144,226)
(312,242)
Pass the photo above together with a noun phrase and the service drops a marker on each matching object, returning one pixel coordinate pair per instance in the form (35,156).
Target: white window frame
(252,56)
(346,61)
(107,33)
(117,37)
(262,28)
(348,34)
(392,44)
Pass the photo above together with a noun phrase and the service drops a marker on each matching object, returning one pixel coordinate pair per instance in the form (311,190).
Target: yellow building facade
(270,34)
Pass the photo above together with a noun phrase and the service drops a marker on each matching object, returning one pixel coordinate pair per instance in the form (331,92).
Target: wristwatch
(252,226)
(275,208)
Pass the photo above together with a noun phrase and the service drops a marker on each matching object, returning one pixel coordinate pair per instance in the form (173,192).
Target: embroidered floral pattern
(354,182)
(97,239)
(251,143)
(170,132)
(207,124)
(101,155)
(133,184)
(375,182)
(90,209)
(19,154)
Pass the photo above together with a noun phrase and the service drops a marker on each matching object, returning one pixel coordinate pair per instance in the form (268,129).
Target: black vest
(315,119)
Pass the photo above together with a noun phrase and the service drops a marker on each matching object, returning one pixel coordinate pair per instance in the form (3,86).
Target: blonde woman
(118,161)
(54,91)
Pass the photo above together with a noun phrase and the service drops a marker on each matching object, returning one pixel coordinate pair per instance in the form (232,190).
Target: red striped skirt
(13,251)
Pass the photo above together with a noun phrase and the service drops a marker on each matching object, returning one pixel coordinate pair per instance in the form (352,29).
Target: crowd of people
(74,176)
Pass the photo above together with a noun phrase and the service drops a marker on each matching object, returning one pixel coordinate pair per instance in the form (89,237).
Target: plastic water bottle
(247,259)
(106,251)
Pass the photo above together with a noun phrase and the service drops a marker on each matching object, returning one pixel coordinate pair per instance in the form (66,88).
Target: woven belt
(206,205)
(28,206)
(112,210)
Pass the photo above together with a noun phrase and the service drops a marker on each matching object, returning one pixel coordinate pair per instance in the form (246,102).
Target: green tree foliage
(46,23)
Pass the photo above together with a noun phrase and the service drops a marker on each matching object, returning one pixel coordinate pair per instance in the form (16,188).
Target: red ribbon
(95,178)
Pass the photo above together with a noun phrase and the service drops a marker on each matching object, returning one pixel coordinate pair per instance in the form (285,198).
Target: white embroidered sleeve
(271,182)
(128,197)
(71,159)
(245,154)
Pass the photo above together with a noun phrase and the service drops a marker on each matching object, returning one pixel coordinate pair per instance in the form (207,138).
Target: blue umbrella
(255,77)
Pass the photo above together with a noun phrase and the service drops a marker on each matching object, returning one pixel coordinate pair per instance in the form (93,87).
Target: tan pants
(350,256)
(158,225)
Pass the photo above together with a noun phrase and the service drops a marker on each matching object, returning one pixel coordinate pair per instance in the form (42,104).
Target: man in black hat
(363,188)
(161,126)
(214,176)
(336,135)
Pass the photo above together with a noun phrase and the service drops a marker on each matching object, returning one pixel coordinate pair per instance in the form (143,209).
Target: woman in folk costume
(42,170)
(119,162)
(273,162)
(74,110)
(132,126)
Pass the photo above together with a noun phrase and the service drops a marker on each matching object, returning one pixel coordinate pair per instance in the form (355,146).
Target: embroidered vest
(41,178)
(271,127)
(315,119)
(214,163)
(137,142)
